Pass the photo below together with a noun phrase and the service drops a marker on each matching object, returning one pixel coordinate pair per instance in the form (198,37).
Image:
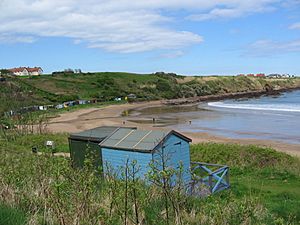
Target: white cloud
(11,39)
(235,9)
(123,26)
(295,26)
(271,48)
(291,3)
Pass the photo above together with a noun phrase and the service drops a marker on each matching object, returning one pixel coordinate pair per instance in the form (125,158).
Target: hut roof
(134,139)
(97,134)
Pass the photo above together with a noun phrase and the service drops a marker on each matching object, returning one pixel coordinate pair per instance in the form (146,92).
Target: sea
(267,118)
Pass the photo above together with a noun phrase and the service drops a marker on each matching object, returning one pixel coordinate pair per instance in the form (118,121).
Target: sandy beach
(83,119)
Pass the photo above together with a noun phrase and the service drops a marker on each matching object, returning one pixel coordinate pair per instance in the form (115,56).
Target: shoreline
(234,95)
(111,115)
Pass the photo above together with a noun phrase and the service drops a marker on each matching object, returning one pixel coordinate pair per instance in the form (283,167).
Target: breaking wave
(265,107)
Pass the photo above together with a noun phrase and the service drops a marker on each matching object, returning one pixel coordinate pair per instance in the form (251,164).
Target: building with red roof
(260,75)
(26,71)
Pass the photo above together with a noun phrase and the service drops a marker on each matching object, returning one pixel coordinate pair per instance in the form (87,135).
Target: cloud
(291,3)
(123,26)
(295,26)
(9,39)
(235,9)
(264,48)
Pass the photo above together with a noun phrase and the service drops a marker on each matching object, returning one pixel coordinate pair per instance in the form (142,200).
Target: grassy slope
(258,176)
(105,86)
(273,177)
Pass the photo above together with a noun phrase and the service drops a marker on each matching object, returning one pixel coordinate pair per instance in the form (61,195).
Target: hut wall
(175,151)
(117,158)
(81,150)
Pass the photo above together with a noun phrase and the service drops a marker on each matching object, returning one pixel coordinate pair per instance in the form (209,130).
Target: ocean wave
(264,107)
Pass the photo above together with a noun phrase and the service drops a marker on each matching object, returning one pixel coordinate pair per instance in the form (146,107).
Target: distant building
(260,75)
(26,71)
(250,75)
(274,75)
(69,71)
(77,71)
(131,96)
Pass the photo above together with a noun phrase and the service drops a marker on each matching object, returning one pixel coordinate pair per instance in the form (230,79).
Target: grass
(264,188)
(11,216)
(25,143)
(272,177)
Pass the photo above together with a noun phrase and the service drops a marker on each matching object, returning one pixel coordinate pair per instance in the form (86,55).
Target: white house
(27,71)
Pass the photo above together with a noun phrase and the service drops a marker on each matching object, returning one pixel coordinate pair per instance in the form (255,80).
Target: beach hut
(86,143)
(114,147)
(145,147)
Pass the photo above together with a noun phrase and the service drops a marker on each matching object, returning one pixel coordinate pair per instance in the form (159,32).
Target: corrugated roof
(96,134)
(135,139)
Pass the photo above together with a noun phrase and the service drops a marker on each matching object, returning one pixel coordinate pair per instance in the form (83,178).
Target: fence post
(227,176)
(210,184)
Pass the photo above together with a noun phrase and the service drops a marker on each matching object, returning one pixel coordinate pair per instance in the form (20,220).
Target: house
(26,71)
(36,71)
(21,71)
(274,75)
(250,75)
(260,75)
(112,147)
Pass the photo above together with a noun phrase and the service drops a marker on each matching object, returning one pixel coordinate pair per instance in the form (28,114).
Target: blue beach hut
(114,147)
(145,147)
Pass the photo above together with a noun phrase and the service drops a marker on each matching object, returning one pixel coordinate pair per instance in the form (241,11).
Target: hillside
(46,190)
(108,85)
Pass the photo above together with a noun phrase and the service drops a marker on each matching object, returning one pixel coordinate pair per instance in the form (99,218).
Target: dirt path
(112,116)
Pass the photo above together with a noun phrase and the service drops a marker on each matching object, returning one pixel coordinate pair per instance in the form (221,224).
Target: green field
(44,189)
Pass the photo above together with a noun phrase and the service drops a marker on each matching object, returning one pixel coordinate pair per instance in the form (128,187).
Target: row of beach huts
(47,107)
(63,105)
(262,75)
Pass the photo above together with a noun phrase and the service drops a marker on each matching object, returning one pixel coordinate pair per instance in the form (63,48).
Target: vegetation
(106,86)
(11,216)
(265,174)
(42,189)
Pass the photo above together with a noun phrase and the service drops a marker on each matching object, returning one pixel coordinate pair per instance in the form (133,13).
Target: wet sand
(83,119)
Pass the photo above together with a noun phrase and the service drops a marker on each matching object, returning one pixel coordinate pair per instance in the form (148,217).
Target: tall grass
(50,191)
(270,176)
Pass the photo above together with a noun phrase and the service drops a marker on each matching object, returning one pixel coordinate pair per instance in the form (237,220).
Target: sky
(190,37)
